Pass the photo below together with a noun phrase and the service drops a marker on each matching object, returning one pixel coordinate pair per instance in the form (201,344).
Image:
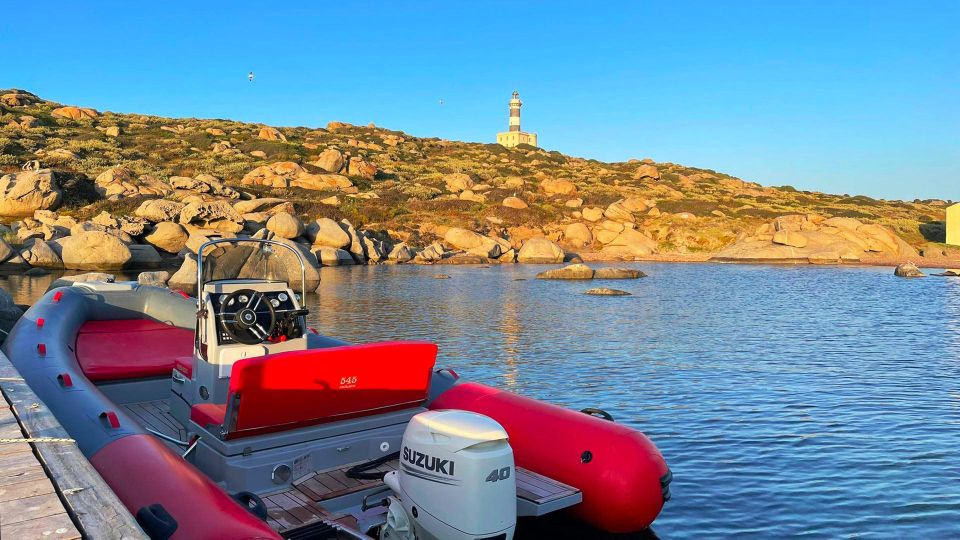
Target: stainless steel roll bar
(200,281)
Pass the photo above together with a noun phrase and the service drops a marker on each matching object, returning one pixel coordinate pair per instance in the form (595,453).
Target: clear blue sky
(843,96)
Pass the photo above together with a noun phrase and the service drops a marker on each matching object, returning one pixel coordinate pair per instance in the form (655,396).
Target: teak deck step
(333,483)
(156,416)
(303,504)
(538,495)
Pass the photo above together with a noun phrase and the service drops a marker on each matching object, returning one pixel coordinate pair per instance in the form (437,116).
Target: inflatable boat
(224,416)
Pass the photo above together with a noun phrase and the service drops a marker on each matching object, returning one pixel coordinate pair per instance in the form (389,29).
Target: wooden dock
(29,504)
(48,489)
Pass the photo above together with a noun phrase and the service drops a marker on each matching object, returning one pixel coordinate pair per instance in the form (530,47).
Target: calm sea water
(814,402)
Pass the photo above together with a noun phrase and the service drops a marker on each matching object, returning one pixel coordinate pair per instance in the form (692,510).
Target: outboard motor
(455,481)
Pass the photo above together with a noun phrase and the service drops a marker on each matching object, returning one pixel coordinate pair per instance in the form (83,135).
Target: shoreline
(172,265)
(921,262)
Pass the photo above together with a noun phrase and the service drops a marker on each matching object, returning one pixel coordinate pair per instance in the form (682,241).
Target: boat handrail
(201,282)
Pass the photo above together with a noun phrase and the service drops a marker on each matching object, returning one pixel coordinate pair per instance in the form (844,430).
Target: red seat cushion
(208,413)
(302,388)
(130,348)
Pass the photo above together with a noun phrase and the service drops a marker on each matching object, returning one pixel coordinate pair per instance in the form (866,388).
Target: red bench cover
(295,389)
(130,348)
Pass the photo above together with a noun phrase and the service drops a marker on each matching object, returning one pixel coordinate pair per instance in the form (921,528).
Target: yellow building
(953,225)
(514,136)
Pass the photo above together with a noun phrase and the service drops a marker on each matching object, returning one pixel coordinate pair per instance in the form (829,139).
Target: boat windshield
(250,259)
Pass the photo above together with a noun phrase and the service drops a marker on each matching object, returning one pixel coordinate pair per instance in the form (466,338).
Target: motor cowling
(456,479)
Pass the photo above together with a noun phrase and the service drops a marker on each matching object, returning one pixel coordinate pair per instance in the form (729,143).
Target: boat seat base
(248,463)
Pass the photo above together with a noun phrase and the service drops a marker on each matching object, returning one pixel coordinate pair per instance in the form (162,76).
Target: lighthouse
(513,136)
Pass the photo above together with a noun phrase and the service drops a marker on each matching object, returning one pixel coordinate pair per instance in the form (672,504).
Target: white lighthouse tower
(514,136)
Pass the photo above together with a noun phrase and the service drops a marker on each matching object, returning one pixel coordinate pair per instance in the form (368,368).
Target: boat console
(236,319)
(260,397)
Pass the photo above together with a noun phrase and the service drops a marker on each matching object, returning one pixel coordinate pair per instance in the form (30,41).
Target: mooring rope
(11,379)
(37,440)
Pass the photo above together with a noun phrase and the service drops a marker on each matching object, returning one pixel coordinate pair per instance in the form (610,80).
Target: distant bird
(250,76)
(441,101)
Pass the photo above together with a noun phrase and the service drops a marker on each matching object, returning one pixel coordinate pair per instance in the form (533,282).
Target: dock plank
(23,473)
(55,527)
(20,490)
(27,508)
(82,504)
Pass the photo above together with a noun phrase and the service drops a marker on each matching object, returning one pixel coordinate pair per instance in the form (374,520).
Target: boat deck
(301,504)
(156,416)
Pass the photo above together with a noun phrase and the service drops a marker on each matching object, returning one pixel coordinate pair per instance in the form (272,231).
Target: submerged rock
(573,271)
(908,270)
(618,273)
(603,291)
(464,258)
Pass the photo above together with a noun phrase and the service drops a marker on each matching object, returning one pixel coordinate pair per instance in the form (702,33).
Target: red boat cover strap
(295,389)
(619,478)
(130,349)
(142,471)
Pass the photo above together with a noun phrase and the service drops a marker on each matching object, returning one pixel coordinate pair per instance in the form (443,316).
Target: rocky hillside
(158,186)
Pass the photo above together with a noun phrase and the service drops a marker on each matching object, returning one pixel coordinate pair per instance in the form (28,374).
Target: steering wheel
(248,317)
